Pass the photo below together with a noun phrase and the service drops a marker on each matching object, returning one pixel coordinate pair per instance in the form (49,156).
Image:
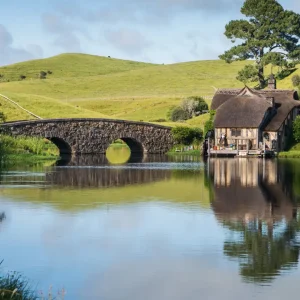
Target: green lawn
(92,86)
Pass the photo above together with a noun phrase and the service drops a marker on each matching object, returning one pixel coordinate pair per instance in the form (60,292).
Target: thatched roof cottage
(254,119)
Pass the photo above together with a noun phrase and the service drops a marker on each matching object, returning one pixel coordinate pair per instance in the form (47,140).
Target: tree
(186,135)
(248,73)
(296,129)
(194,105)
(270,35)
(296,80)
(176,114)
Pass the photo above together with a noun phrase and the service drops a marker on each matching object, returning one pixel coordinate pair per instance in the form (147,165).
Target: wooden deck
(233,153)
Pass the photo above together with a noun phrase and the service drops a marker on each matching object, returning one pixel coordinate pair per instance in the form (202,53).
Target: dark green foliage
(2,117)
(248,74)
(43,75)
(296,129)
(14,286)
(194,105)
(270,35)
(284,73)
(22,77)
(186,135)
(209,124)
(189,107)
(296,80)
(176,114)
(49,72)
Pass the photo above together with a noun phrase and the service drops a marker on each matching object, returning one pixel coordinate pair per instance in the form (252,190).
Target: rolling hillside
(90,86)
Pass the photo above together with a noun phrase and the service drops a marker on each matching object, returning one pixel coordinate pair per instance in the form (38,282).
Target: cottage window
(236,132)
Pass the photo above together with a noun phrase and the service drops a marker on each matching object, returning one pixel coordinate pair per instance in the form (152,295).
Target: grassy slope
(70,65)
(91,86)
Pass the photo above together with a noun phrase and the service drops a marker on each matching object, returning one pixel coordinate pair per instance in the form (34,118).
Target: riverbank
(26,150)
(190,152)
(289,154)
(293,152)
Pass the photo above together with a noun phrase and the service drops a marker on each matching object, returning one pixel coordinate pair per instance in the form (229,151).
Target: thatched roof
(247,107)
(245,110)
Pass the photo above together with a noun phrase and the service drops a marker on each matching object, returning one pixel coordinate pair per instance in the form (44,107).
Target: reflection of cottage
(250,119)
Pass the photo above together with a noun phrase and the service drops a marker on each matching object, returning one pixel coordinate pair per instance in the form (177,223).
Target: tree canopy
(269,35)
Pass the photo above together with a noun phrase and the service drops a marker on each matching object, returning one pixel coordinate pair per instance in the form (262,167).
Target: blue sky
(158,31)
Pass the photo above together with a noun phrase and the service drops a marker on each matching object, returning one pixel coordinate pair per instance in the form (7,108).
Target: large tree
(269,35)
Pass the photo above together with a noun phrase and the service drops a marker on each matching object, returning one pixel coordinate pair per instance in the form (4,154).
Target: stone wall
(90,136)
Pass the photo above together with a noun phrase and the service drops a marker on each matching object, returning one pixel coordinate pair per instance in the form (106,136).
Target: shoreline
(11,159)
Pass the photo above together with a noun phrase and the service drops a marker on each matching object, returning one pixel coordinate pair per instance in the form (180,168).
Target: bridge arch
(63,147)
(135,146)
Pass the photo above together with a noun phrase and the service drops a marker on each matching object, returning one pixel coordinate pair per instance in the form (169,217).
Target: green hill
(90,86)
(69,65)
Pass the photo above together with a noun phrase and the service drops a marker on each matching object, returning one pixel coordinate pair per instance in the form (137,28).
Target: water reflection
(252,199)
(2,217)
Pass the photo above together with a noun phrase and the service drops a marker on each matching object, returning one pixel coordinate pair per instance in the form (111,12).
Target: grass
(26,150)
(14,286)
(289,154)
(191,152)
(69,65)
(92,86)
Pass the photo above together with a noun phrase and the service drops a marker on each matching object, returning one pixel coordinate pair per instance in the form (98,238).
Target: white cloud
(127,40)
(65,33)
(10,54)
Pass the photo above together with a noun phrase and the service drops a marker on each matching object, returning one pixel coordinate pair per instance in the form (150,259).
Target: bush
(176,114)
(193,105)
(296,80)
(209,124)
(42,75)
(186,135)
(296,129)
(22,77)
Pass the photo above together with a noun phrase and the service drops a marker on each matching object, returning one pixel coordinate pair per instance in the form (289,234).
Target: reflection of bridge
(86,177)
(95,171)
(86,136)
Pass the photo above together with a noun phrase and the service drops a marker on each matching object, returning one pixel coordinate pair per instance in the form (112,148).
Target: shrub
(296,80)
(193,105)
(296,129)
(42,75)
(186,135)
(22,77)
(176,114)
(209,124)
(49,72)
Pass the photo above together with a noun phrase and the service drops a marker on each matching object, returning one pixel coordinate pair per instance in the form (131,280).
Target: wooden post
(247,141)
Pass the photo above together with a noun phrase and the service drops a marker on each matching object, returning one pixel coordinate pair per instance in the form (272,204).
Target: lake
(155,227)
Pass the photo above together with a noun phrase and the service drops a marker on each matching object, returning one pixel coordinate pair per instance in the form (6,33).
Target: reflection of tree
(261,253)
(256,201)
(2,216)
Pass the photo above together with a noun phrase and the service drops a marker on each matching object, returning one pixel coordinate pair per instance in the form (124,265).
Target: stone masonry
(91,136)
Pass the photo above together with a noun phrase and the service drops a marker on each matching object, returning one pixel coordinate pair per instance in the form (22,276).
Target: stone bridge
(91,136)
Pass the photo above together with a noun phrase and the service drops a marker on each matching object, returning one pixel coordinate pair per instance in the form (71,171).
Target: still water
(154,228)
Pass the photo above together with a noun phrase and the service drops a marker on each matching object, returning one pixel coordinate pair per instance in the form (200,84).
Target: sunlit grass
(90,86)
